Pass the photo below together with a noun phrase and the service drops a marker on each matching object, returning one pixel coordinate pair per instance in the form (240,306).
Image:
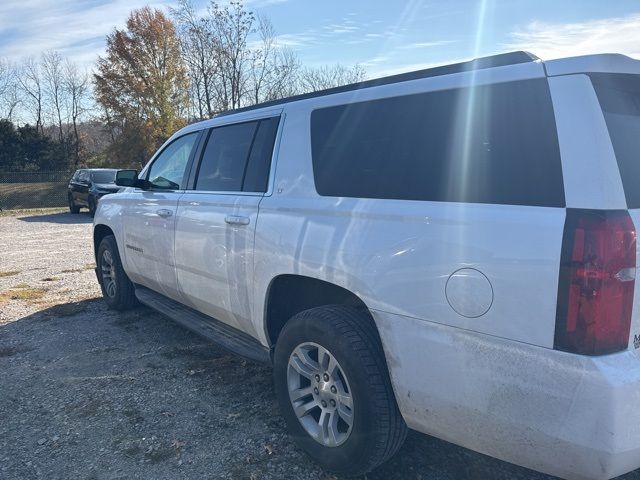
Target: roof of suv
(501,60)
(598,63)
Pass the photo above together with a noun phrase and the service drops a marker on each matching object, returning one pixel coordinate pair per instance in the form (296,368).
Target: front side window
(492,144)
(83,176)
(167,170)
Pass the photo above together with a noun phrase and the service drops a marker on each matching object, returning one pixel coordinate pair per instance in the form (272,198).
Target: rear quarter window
(619,97)
(488,144)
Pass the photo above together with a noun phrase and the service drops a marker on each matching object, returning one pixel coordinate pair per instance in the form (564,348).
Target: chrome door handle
(164,212)
(236,220)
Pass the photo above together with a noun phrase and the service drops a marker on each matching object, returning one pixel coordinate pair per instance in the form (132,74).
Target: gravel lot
(87,393)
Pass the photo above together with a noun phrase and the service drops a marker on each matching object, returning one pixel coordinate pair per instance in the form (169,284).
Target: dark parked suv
(88,185)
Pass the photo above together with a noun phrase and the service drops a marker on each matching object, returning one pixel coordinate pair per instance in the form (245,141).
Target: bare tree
(6,76)
(76,86)
(321,78)
(231,26)
(9,95)
(200,54)
(30,81)
(273,69)
(52,65)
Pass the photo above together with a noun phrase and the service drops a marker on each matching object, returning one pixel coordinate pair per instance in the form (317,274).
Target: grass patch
(20,212)
(23,293)
(33,195)
(51,279)
(73,270)
(89,266)
(21,285)
(9,273)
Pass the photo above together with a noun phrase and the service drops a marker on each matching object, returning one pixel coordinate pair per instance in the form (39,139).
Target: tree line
(160,72)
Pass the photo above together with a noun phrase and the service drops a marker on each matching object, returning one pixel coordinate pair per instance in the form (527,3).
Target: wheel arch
(289,294)
(99,232)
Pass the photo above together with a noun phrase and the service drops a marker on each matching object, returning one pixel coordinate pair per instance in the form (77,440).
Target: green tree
(141,84)
(9,145)
(26,148)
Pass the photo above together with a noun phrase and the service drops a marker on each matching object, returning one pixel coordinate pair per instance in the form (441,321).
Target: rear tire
(73,208)
(345,339)
(118,291)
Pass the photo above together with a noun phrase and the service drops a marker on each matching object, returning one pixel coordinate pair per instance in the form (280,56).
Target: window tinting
(167,170)
(225,158)
(619,97)
(257,175)
(487,144)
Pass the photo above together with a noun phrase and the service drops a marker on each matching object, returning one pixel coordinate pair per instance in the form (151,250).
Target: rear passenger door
(217,220)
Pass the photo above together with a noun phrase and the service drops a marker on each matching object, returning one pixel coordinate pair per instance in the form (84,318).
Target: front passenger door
(149,218)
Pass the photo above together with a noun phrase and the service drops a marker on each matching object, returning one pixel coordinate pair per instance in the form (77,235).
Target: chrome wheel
(108,272)
(320,394)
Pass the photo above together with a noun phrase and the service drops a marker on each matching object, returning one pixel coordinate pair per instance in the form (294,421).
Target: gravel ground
(87,393)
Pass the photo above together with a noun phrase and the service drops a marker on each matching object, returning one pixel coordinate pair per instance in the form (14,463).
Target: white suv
(451,250)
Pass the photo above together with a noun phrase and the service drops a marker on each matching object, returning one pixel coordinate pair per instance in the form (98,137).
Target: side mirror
(129,178)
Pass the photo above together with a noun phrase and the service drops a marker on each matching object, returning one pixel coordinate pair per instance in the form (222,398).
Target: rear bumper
(568,415)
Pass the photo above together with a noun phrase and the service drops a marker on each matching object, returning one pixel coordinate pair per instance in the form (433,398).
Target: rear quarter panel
(397,256)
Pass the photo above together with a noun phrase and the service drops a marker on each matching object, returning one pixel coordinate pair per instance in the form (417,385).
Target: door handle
(236,220)
(164,212)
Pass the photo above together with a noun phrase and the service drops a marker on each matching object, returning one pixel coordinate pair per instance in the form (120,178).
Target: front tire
(92,206)
(117,289)
(334,390)
(73,208)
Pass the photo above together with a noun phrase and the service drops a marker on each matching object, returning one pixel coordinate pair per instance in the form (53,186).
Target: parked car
(87,186)
(451,250)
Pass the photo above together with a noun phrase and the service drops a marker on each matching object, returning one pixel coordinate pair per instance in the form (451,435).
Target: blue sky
(384,36)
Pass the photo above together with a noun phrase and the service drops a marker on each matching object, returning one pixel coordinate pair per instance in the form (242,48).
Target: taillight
(597,278)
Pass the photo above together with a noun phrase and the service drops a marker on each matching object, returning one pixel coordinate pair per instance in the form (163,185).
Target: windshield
(106,176)
(619,97)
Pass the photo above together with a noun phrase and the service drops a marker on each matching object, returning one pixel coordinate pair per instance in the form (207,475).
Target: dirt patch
(67,309)
(9,351)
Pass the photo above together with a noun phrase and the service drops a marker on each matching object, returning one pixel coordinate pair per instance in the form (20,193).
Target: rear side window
(487,144)
(619,97)
(238,157)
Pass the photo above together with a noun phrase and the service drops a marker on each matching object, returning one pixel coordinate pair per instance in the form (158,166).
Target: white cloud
(556,40)
(76,28)
(417,45)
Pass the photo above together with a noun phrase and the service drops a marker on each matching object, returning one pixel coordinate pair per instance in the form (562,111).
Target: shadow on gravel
(89,393)
(62,218)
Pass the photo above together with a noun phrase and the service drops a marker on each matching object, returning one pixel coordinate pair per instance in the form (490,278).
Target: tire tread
(356,326)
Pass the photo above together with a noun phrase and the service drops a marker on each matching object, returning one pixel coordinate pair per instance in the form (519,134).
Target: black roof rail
(500,60)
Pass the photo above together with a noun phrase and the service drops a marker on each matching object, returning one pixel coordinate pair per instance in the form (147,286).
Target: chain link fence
(33,189)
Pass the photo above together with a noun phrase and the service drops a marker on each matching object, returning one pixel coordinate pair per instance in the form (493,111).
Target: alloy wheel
(108,272)
(320,395)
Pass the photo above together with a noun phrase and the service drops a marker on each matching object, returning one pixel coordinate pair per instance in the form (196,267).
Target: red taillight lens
(597,279)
